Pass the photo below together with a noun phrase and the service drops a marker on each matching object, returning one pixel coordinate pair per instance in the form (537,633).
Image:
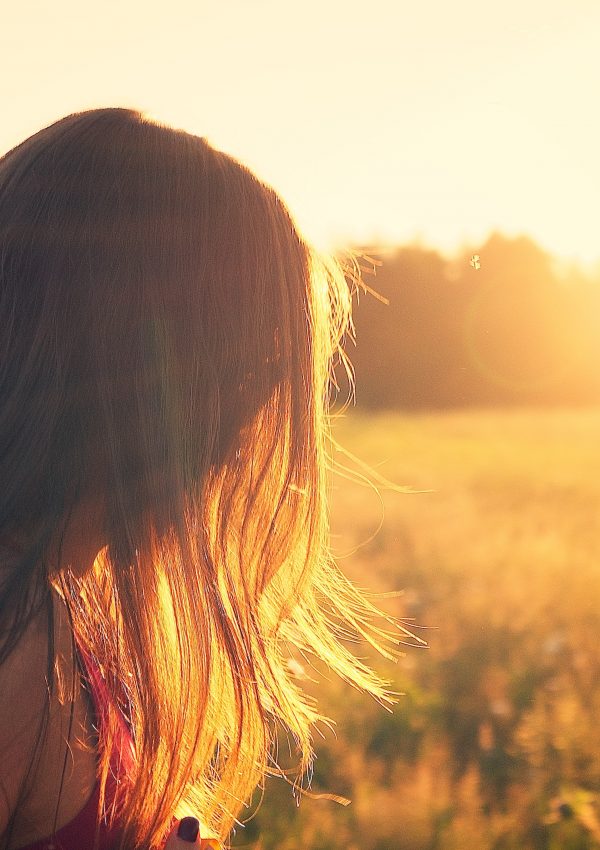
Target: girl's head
(166,337)
(161,323)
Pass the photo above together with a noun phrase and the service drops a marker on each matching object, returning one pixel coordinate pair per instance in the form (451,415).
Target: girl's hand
(186,834)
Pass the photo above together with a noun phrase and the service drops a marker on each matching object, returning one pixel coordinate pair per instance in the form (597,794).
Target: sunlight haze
(375,121)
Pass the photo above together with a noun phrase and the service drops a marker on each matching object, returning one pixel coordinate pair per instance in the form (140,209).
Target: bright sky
(375,119)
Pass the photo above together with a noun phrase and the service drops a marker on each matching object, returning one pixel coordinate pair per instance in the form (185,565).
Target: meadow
(494,743)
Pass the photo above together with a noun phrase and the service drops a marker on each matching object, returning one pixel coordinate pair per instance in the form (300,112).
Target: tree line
(502,327)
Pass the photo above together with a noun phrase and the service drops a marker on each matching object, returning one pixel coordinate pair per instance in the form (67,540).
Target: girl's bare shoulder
(23,697)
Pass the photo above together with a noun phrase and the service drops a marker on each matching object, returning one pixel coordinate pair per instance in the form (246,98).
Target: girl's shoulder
(23,701)
(37,728)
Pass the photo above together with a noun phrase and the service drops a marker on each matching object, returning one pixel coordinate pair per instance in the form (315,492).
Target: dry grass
(496,743)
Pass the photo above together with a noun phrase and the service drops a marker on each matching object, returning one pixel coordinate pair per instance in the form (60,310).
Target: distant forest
(513,331)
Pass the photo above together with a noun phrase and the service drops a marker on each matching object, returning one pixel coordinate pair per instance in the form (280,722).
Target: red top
(79,833)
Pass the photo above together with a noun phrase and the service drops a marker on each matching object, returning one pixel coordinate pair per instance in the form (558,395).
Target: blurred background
(450,153)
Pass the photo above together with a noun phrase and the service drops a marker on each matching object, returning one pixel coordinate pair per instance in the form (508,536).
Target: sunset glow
(381,121)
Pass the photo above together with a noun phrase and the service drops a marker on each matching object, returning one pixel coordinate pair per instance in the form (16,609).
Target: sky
(377,121)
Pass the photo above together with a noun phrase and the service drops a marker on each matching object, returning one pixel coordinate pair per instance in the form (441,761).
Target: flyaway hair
(166,334)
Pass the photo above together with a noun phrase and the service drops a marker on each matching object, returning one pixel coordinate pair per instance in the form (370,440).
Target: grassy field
(495,743)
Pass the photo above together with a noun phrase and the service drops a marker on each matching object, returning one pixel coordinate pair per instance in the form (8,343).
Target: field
(494,743)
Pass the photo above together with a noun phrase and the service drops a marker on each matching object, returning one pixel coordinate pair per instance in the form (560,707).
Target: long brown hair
(163,321)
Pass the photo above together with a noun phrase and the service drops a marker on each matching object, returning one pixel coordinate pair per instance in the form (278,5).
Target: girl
(166,337)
